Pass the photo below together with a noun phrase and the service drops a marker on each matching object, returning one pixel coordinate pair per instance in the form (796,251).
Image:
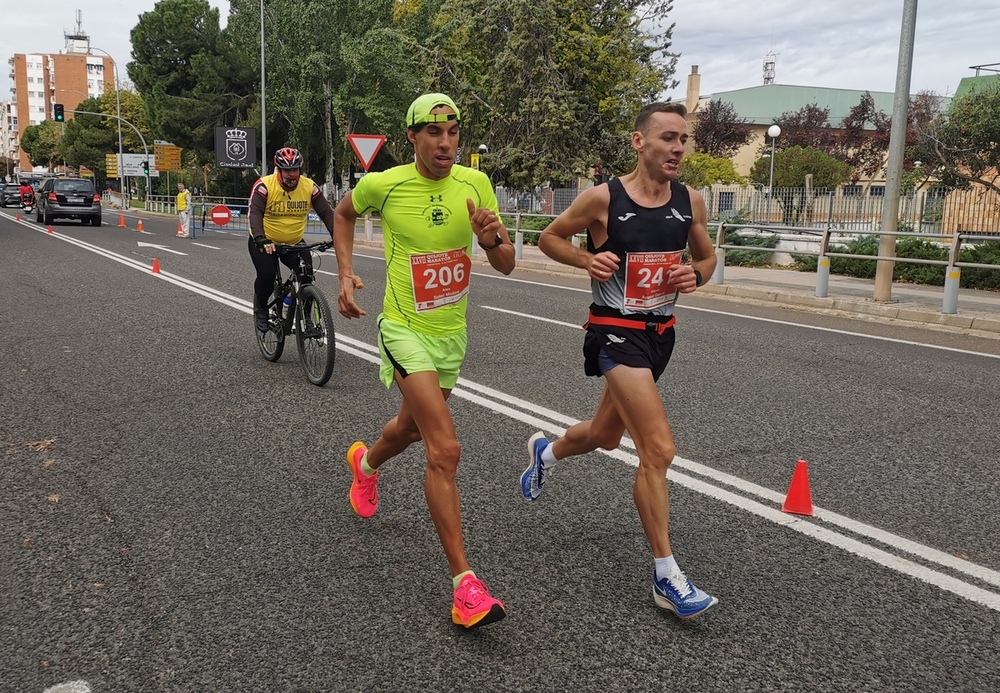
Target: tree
(41,143)
(701,170)
(87,139)
(864,138)
(963,145)
(807,127)
(560,84)
(185,73)
(719,131)
(333,68)
(791,166)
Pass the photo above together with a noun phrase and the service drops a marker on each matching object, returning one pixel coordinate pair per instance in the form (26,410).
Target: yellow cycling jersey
(286,213)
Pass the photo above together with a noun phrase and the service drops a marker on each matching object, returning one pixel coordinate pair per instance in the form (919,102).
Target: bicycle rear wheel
(315,335)
(272,342)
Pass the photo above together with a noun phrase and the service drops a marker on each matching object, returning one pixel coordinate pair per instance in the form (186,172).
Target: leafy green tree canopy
(792,165)
(41,143)
(962,147)
(701,170)
(182,71)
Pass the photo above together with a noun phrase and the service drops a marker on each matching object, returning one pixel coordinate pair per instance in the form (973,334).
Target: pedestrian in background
(183,211)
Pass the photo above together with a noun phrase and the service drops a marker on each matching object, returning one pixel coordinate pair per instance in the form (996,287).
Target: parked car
(68,198)
(10,195)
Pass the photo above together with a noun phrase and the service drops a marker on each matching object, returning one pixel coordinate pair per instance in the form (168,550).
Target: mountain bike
(301,309)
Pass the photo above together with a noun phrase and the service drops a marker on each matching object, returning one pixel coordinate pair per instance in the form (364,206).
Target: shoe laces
(681,584)
(474,591)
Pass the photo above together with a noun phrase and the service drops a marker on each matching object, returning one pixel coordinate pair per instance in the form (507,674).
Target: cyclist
(431,210)
(279,210)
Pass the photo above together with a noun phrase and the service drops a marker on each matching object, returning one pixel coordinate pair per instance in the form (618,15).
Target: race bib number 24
(646,285)
(439,279)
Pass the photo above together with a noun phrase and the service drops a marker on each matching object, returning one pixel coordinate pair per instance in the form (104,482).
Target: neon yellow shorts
(408,351)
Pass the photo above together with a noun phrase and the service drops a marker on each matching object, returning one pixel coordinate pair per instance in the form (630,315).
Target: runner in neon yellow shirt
(430,209)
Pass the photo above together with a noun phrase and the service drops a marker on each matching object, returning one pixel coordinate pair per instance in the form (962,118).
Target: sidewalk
(977,310)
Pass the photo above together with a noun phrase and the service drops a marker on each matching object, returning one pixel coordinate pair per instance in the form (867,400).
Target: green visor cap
(419,112)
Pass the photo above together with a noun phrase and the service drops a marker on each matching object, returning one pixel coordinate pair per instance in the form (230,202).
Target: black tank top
(633,228)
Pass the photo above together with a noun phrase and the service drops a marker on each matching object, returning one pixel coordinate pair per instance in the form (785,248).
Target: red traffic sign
(221,215)
(366,147)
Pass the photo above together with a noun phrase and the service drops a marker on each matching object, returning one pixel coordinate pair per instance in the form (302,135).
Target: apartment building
(8,138)
(43,79)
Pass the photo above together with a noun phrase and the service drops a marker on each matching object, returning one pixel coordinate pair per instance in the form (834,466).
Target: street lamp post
(118,103)
(773,133)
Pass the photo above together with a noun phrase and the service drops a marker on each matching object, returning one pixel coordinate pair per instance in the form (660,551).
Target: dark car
(10,195)
(68,198)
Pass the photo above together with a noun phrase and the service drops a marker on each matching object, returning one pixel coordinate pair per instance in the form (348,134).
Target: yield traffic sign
(366,147)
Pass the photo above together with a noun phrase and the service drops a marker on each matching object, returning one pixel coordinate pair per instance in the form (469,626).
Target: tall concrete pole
(263,99)
(897,148)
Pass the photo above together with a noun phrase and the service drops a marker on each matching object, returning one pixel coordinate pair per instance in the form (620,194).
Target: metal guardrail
(953,265)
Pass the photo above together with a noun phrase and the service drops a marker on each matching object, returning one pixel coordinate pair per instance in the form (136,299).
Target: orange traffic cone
(799,499)
(17,217)
(121,221)
(139,227)
(156,266)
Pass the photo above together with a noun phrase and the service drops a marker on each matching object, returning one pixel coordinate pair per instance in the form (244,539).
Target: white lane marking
(205,245)
(69,687)
(532,416)
(332,274)
(777,322)
(164,248)
(845,332)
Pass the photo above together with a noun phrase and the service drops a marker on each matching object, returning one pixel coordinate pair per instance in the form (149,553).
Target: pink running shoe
(364,489)
(473,606)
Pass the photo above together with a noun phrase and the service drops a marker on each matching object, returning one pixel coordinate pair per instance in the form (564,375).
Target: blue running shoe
(678,594)
(534,475)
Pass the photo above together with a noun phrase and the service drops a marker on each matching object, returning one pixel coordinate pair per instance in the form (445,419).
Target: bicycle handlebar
(289,247)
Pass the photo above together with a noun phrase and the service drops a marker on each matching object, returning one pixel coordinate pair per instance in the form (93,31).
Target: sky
(848,44)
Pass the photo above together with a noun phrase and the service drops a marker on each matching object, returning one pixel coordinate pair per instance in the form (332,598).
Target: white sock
(548,457)
(666,567)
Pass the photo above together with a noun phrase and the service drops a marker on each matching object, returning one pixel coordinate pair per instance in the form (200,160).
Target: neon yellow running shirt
(427,242)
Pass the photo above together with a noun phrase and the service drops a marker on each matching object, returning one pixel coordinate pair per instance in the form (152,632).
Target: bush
(865,269)
(976,278)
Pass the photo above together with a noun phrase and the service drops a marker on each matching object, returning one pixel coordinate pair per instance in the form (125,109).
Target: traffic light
(145,168)
(60,114)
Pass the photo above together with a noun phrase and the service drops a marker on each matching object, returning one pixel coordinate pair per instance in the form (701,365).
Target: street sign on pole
(132,165)
(366,147)
(111,165)
(168,157)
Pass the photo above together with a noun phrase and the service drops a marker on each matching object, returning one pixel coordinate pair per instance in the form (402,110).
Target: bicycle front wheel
(315,335)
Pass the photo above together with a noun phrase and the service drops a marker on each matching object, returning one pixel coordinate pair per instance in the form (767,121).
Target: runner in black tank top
(638,227)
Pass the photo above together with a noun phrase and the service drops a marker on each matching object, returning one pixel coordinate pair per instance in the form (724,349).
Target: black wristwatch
(495,245)
(697,278)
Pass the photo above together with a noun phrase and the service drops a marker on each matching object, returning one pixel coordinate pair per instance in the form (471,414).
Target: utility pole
(897,148)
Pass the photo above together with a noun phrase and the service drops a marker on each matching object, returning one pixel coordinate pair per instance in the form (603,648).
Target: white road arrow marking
(160,247)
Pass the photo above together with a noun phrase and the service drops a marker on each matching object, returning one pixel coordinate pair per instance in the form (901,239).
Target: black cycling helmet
(285,159)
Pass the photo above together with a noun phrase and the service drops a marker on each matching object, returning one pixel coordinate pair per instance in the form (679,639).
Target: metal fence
(853,207)
(858,208)
(825,244)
